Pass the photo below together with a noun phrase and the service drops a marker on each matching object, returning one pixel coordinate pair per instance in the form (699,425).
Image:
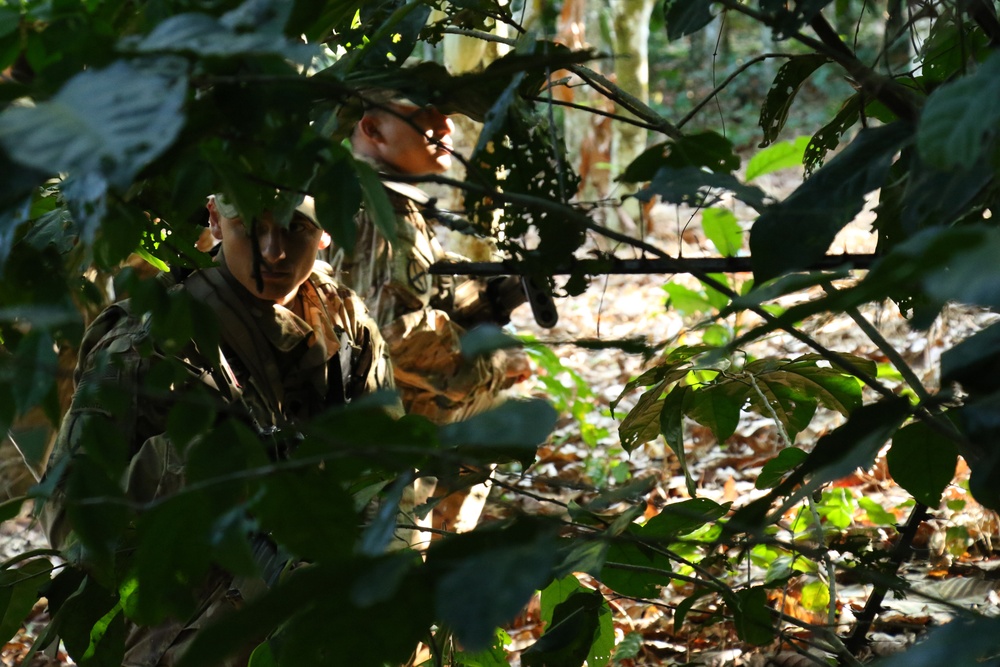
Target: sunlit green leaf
(780,155)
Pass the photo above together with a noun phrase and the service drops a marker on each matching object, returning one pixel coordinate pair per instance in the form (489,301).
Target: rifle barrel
(640,266)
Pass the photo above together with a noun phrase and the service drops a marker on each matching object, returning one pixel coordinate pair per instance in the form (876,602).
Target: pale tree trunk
(631,25)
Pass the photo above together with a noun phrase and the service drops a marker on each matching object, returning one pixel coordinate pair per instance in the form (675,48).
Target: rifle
(503,295)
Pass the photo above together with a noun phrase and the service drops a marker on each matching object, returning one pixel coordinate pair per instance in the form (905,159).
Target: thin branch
(729,79)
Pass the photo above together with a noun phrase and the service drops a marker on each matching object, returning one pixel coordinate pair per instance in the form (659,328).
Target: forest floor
(954,557)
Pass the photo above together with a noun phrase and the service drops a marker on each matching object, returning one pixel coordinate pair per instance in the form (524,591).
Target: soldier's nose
(272,243)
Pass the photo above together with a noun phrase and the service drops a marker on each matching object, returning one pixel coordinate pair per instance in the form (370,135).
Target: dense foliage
(118,118)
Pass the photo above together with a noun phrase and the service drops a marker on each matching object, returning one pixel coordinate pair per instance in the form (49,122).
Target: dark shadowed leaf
(518,426)
(694,186)
(964,641)
(672,427)
(787,83)
(683,517)
(828,137)
(486,338)
(632,568)
(642,423)
(795,233)
(684,17)
(718,407)
(705,149)
(922,461)
(574,630)
(485,577)
(338,196)
(975,362)
(775,469)
(19,591)
(111,122)
(754,623)
(960,118)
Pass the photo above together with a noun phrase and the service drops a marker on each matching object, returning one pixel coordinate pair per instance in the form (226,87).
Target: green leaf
(975,362)
(922,461)
(641,424)
(876,513)
(631,568)
(854,444)
(754,624)
(705,149)
(684,17)
(338,195)
(960,118)
(571,636)
(828,137)
(376,201)
(19,591)
(787,83)
(494,656)
(686,301)
(798,231)
(308,512)
(672,428)
(816,596)
(486,338)
(10,508)
(681,518)
(231,35)
(781,155)
(723,229)
(964,641)
(772,472)
(487,576)
(516,425)
(718,407)
(109,122)
(693,186)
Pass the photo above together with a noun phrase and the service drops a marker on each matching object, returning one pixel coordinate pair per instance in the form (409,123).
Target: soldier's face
(287,255)
(414,140)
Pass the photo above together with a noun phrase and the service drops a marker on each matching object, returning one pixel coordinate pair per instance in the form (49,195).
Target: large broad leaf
(642,422)
(975,362)
(752,616)
(696,187)
(253,28)
(961,118)
(672,428)
(485,577)
(828,137)
(718,407)
(338,196)
(110,122)
(922,461)
(723,229)
(781,155)
(632,568)
(683,517)
(19,591)
(684,17)
(972,641)
(797,232)
(308,512)
(852,445)
(578,627)
(787,83)
(376,201)
(706,149)
(517,427)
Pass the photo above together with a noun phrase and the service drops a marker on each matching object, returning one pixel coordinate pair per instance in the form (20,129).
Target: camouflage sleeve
(103,364)
(371,368)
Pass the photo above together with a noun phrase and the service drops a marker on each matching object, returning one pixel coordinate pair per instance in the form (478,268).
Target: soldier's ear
(324,241)
(213,219)
(370,128)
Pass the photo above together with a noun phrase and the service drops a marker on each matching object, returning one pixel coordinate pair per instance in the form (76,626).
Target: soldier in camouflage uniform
(422,316)
(291,345)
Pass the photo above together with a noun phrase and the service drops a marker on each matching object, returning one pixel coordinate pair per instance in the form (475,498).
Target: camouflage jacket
(275,368)
(422,316)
